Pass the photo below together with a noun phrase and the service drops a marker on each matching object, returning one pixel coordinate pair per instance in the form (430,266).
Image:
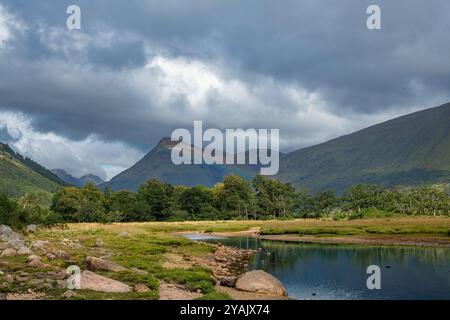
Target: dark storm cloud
(321,46)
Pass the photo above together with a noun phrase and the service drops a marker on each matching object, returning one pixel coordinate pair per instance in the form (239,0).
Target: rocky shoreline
(35,272)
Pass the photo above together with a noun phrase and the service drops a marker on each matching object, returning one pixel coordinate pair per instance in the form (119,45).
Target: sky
(95,100)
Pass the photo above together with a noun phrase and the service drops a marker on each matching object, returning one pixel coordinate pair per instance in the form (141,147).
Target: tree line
(237,198)
(234,198)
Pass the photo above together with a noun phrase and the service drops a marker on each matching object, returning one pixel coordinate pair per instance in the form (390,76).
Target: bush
(10,214)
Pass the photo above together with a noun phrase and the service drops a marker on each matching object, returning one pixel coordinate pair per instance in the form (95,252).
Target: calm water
(317,271)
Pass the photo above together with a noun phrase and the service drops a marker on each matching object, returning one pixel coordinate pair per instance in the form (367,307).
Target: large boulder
(259,281)
(31,228)
(92,281)
(98,264)
(9,252)
(7,234)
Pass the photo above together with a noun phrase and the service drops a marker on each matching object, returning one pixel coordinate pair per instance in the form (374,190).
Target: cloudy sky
(95,100)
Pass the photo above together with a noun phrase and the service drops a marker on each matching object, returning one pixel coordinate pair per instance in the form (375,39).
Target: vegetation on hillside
(20,175)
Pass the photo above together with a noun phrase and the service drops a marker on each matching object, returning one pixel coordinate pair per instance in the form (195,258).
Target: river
(318,271)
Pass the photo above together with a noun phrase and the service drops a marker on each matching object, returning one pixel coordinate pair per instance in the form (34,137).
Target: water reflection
(317,271)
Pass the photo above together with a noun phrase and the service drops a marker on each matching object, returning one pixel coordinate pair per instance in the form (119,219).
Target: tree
(325,201)
(273,197)
(10,214)
(198,203)
(235,197)
(158,197)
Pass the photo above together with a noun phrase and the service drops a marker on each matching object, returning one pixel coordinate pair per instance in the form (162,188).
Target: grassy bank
(154,254)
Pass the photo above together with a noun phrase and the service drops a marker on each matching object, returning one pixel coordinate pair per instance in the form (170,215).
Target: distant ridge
(78,182)
(409,150)
(158,164)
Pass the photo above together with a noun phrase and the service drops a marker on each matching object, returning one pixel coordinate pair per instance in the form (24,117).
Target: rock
(39,244)
(35,262)
(60,254)
(9,252)
(96,282)
(38,264)
(22,278)
(37,282)
(259,281)
(9,278)
(50,256)
(62,275)
(141,288)
(139,271)
(24,251)
(228,281)
(124,234)
(7,234)
(98,264)
(69,294)
(14,244)
(33,257)
(61,284)
(31,228)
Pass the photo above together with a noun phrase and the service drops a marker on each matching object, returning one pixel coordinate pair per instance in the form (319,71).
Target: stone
(39,244)
(141,288)
(35,262)
(69,294)
(9,252)
(9,278)
(60,254)
(139,271)
(22,278)
(33,257)
(24,251)
(98,264)
(62,284)
(96,282)
(228,281)
(15,244)
(62,275)
(38,264)
(7,234)
(258,281)
(31,228)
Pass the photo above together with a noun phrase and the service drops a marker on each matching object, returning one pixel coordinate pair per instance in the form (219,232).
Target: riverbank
(118,261)
(405,231)
(152,261)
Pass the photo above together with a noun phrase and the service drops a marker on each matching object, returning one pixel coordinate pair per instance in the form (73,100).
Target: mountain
(77,182)
(409,150)
(19,175)
(92,179)
(63,175)
(158,164)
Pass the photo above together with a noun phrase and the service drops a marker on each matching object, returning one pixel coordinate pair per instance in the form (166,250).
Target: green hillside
(410,150)
(19,175)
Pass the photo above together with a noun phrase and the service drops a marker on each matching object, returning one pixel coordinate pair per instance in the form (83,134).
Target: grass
(195,278)
(439,226)
(149,246)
